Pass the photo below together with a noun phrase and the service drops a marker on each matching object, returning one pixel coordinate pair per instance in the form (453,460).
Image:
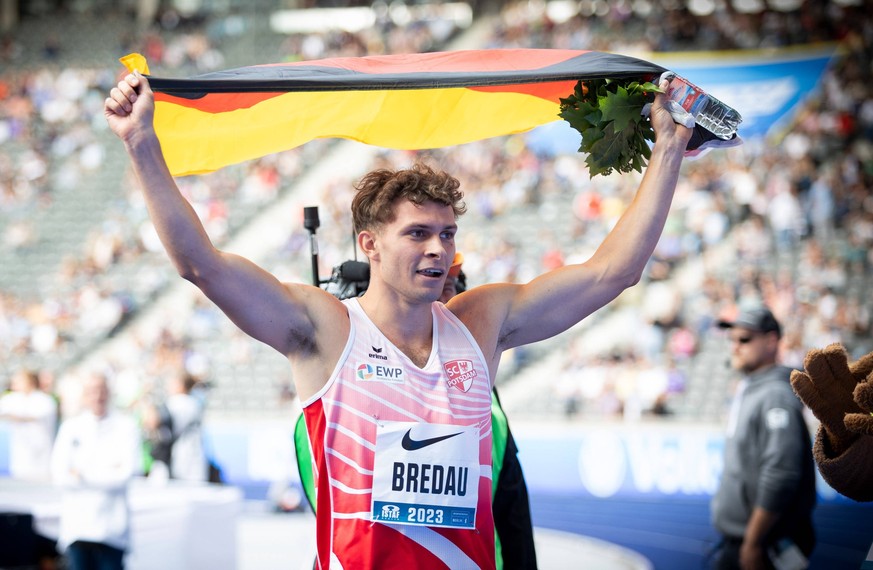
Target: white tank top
(402,454)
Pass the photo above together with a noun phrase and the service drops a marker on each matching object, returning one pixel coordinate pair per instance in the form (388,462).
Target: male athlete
(396,387)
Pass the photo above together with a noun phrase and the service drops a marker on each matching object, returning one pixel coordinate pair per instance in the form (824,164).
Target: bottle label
(708,112)
(689,96)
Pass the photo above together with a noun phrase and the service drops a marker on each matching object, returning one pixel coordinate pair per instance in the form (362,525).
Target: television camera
(348,279)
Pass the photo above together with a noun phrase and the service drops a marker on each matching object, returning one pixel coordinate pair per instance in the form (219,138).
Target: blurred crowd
(52,131)
(788,222)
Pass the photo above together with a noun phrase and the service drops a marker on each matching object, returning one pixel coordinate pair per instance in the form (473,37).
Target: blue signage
(767,87)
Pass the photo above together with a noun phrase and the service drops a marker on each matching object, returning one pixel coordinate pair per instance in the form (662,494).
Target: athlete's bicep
(484,311)
(556,301)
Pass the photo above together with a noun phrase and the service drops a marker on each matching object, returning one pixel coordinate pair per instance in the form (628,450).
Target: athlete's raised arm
(292,318)
(555,301)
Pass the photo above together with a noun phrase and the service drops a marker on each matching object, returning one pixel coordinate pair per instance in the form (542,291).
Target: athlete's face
(414,251)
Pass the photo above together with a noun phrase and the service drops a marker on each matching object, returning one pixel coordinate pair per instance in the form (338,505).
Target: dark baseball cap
(758,319)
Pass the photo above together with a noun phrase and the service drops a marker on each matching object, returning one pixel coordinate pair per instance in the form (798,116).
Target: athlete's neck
(408,327)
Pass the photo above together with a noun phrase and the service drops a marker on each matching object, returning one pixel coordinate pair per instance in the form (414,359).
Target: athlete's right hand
(130,108)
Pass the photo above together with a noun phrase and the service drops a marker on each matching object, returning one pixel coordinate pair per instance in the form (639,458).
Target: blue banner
(766,87)
(655,461)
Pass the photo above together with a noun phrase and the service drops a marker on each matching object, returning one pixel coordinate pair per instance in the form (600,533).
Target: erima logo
(377,354)
(410,444)
(379,373)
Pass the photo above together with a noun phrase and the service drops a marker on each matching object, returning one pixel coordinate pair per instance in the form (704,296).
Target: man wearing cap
(763,506)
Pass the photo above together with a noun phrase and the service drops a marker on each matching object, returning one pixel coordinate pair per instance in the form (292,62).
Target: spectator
(157,427)
(33,415)
(767,490)
(187,457)
(96,455)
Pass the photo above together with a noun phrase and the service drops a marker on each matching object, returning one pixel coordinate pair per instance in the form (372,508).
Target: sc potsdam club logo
(461,374)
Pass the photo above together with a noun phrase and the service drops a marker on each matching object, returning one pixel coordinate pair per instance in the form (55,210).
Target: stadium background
(639,390)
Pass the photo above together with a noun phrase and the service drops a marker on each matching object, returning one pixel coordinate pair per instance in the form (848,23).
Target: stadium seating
(90,266)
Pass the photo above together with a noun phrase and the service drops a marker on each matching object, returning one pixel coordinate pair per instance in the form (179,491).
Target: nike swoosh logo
(410,444)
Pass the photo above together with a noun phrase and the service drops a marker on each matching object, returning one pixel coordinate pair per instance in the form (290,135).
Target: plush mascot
(840,394)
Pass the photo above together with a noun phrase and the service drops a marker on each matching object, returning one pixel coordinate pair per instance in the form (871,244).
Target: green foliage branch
(607,113)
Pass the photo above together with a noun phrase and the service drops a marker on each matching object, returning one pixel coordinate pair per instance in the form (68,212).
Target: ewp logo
(379,373)
(365,372)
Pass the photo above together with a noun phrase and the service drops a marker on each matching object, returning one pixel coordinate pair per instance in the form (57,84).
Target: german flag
(413,101)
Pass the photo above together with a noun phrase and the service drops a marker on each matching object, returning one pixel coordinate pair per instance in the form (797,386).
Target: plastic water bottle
(710,113)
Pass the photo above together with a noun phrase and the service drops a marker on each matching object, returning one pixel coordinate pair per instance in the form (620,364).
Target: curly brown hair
(379,190)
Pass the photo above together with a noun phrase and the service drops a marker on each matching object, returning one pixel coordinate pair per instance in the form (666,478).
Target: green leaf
(607,114)
(591,136)
(621,108)
(605,153)
(649,87)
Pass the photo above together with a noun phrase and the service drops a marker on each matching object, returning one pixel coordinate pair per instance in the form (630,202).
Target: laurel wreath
(608,115)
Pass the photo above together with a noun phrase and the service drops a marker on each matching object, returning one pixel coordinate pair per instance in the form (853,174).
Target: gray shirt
(767,459)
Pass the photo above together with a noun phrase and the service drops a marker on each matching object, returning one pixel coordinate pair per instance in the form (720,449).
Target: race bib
(426,474)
